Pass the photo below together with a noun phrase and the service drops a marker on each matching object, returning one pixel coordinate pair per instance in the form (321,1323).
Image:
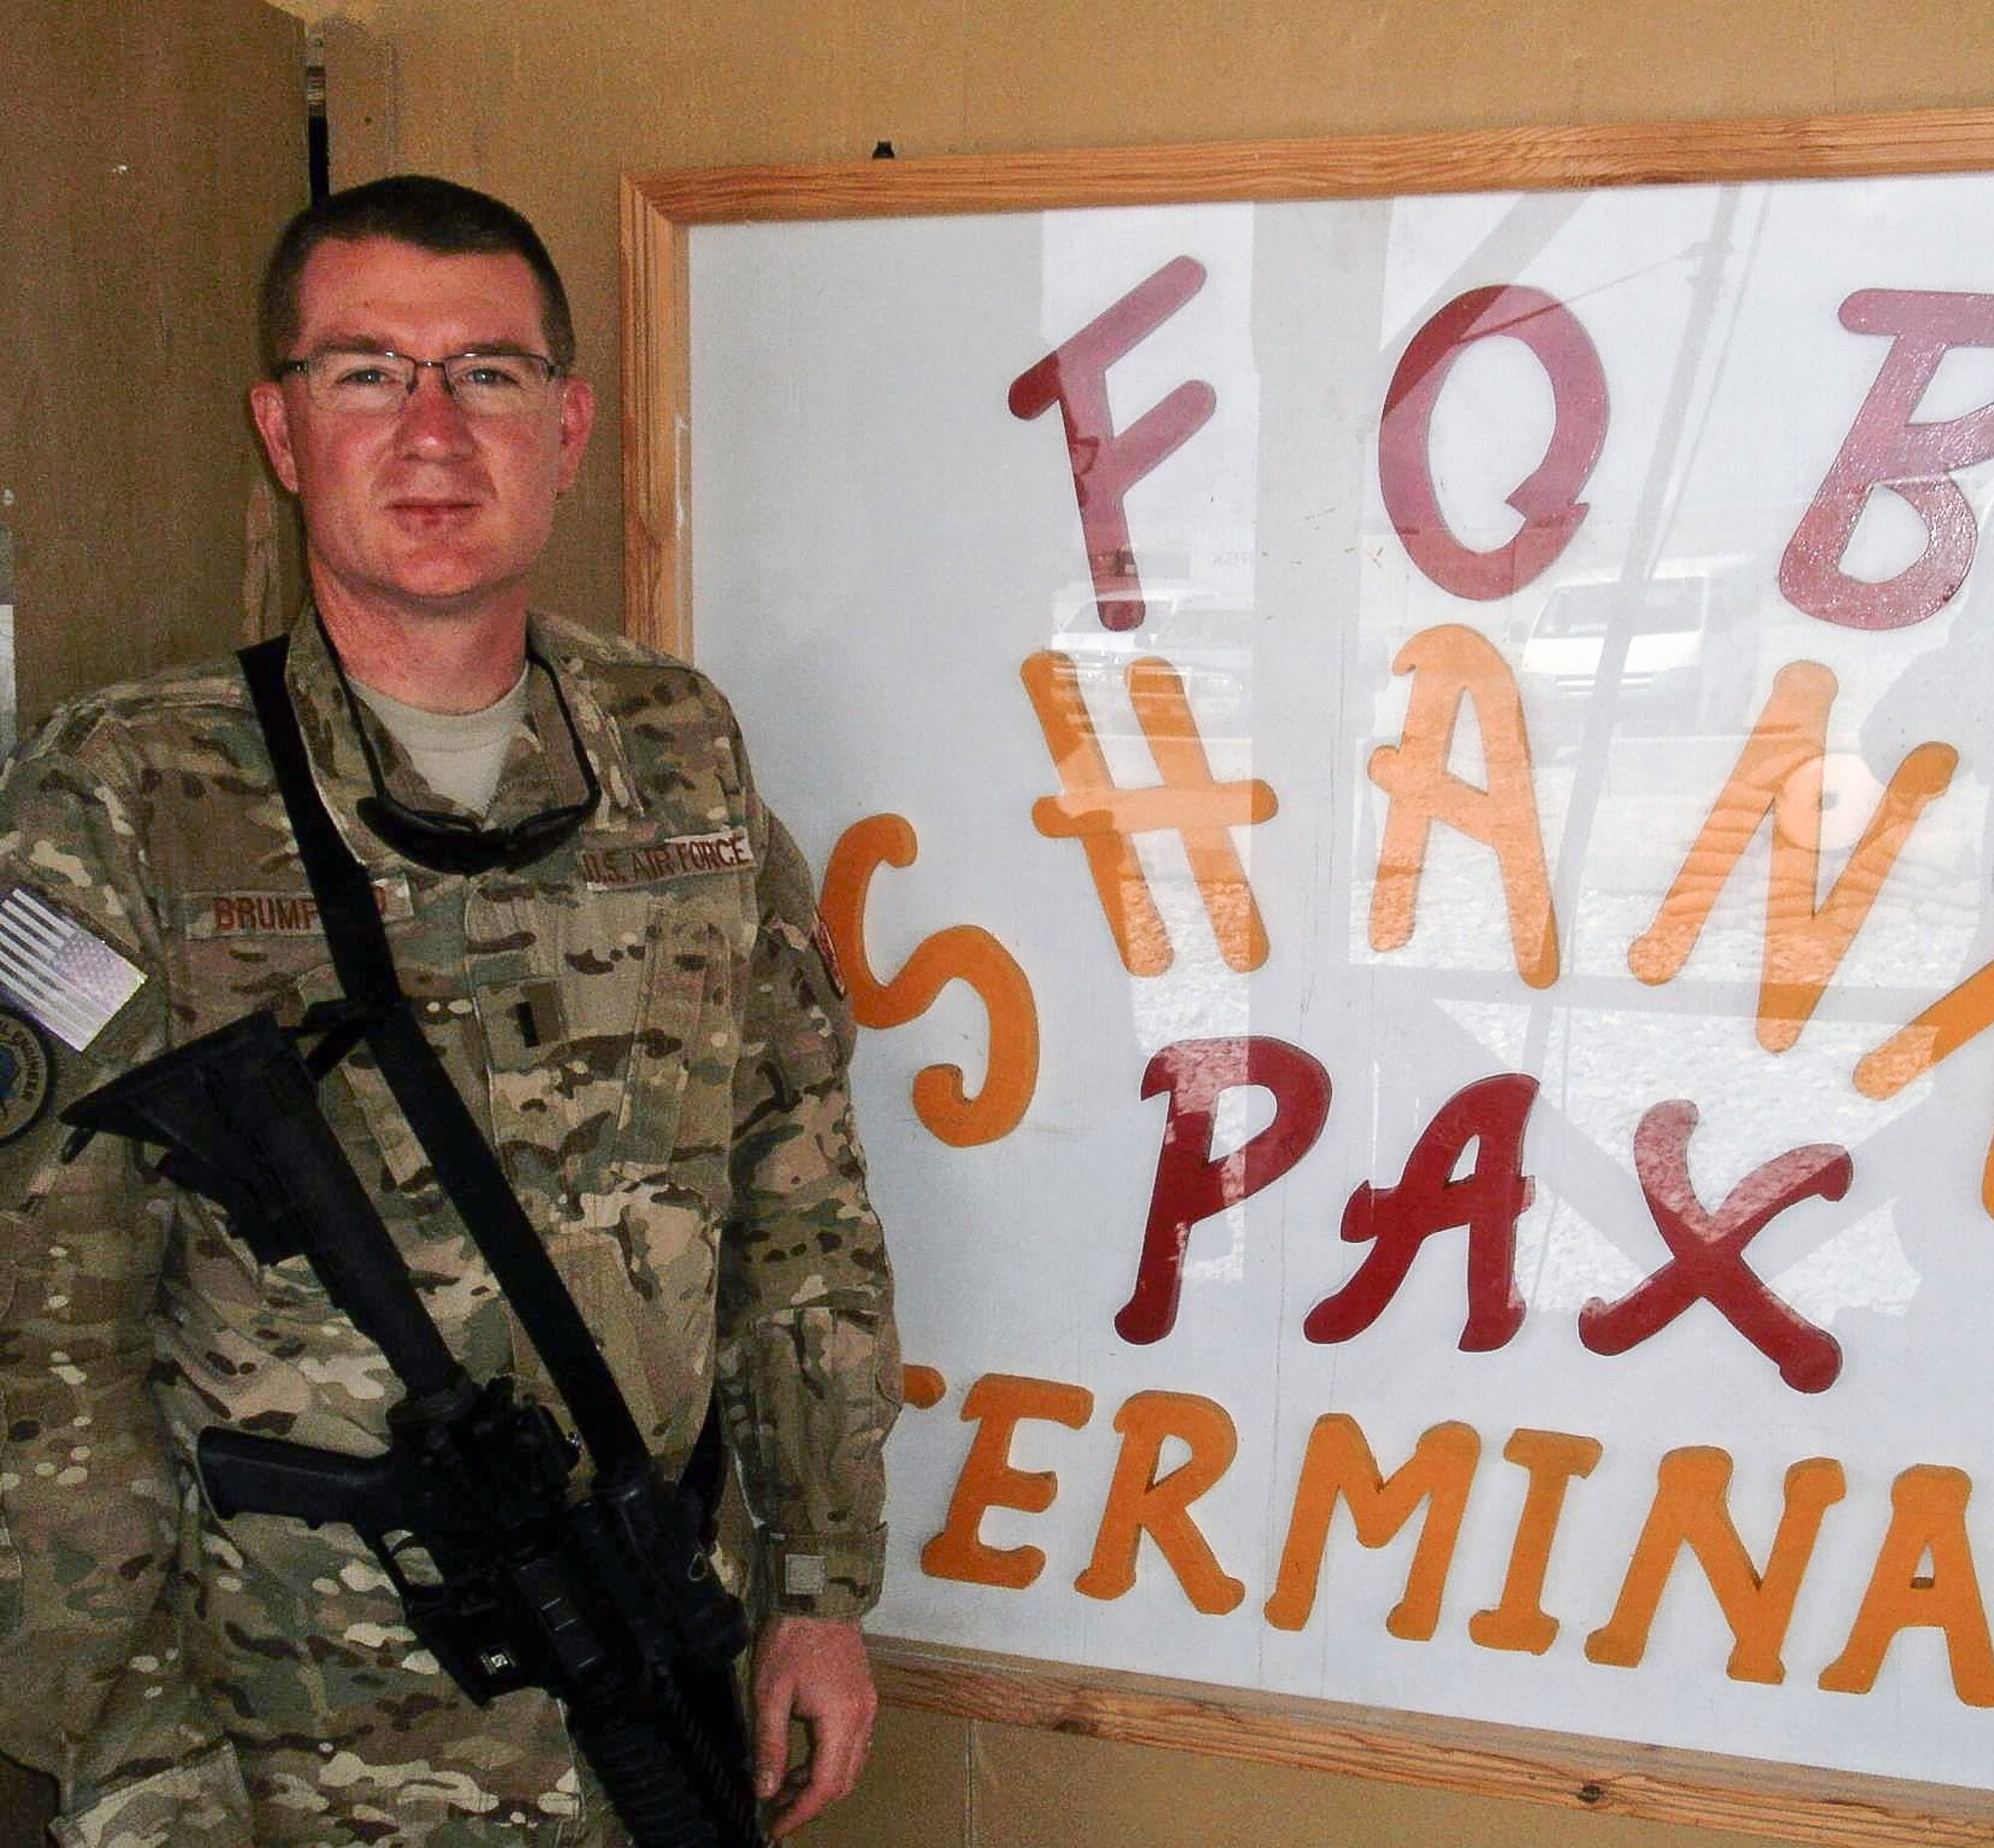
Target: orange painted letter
(1339,1466)
(1690,1510)
(1779,773)
(1141,1501)
(1451,664)
(1928,1518)
(1963,1014)
(1520,1622)
(1188,802)
(999,1403)
(961,953)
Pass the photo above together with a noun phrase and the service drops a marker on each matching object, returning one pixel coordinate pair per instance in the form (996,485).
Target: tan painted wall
(548,101)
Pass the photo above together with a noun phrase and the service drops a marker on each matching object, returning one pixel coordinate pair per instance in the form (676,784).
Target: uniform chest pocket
(361,1108)
(611,1071)
(612,1084)
(395,1171)
(677,1120)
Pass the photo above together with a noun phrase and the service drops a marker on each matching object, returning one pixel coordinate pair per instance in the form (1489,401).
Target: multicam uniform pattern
(644,1026)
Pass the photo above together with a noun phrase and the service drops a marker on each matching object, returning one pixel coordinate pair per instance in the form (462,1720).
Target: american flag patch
(58,973)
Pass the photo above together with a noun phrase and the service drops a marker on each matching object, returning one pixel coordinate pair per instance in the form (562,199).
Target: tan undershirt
(459,754)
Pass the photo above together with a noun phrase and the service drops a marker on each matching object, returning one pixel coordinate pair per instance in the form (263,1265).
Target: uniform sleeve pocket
(806,1401)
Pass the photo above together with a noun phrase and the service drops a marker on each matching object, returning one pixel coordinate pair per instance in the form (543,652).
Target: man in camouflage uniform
(641,1021)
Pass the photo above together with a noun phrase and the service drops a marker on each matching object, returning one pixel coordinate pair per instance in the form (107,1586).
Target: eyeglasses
(364,384)
(454,843)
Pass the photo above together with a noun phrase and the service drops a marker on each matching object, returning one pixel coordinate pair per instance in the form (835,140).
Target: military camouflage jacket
(657,1049)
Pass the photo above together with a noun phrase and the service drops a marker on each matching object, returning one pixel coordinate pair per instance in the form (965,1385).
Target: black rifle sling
(465,1164)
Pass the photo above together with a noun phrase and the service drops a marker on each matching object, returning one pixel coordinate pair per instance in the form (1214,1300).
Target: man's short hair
(436,215)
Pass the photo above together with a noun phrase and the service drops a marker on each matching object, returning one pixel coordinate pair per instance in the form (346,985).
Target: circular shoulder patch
(27,1073)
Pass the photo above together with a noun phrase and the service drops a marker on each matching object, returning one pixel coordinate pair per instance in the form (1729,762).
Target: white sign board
(1442,1209)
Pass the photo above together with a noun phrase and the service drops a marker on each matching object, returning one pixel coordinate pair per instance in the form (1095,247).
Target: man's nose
(431,419)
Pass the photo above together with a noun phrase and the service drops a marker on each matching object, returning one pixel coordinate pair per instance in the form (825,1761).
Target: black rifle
(510,1576)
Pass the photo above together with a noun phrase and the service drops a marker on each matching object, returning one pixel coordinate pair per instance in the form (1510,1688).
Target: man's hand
(812,1668)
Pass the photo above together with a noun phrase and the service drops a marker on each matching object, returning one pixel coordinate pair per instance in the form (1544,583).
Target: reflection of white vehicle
(1687,665)
(1076,606)
(1211,648)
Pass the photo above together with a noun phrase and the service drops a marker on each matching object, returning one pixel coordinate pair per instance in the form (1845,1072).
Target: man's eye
(359,374)
(493,376)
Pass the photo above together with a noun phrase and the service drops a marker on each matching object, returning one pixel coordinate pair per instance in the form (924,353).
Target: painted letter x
(1708,1265)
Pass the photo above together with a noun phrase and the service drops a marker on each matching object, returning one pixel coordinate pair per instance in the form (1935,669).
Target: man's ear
(273,424)
(578,418)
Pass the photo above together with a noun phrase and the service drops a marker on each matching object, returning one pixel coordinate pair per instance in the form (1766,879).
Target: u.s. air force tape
(27,1074)
(613,869)
(60,974)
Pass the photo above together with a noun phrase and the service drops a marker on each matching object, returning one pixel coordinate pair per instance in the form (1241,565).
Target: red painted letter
(1398,1220)
(1708,1265)
(1106,461)
(1190,1185)
(1884,449)
(1549,498)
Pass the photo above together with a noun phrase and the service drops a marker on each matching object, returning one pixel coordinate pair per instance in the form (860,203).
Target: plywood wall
(148,152)
(149,148)
(548,101)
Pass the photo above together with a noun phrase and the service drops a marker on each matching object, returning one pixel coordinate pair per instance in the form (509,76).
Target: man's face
(422,510)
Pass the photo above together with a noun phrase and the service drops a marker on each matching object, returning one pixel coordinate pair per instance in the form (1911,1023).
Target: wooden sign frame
(658,212)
